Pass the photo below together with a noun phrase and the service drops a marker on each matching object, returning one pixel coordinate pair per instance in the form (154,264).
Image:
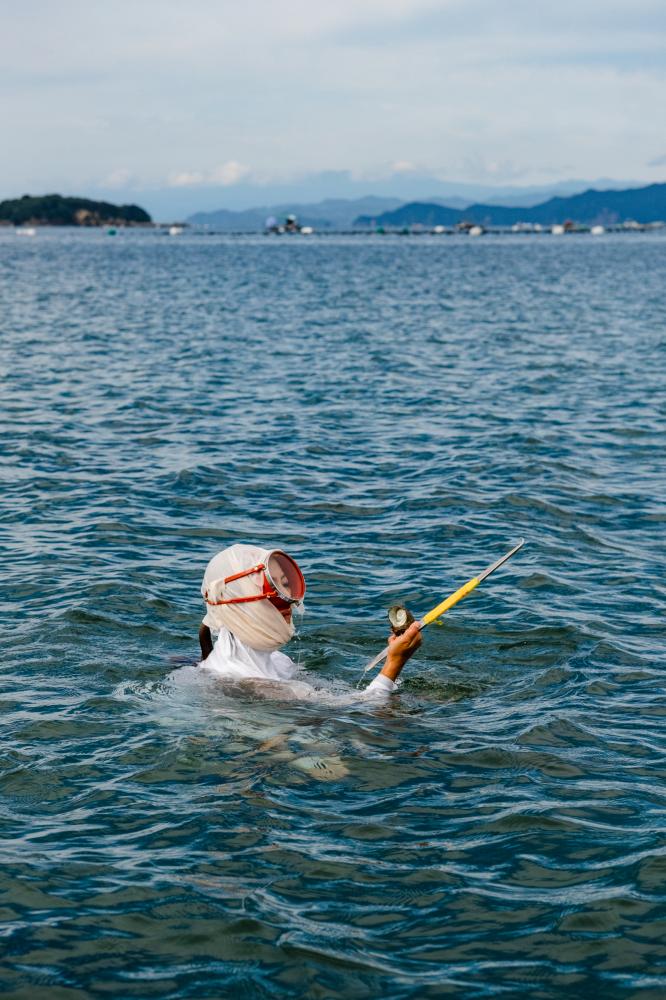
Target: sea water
(395,413)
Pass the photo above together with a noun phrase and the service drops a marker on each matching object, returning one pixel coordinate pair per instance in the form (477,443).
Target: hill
(332,213)
(423,213)
(646,204)
(56,210)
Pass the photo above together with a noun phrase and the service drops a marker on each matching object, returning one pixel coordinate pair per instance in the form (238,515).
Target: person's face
(283,583)
(279,572)
(287,580)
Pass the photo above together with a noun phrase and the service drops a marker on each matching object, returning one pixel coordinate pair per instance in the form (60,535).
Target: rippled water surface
(394,412)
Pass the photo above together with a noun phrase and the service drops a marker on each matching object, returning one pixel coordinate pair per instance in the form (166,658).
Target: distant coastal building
(290,225)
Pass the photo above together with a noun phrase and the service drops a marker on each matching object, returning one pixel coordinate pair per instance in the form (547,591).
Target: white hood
(257,624)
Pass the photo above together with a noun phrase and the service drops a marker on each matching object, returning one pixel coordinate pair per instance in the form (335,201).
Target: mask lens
(286,577)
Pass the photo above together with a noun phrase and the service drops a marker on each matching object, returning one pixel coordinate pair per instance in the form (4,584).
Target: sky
(231,103)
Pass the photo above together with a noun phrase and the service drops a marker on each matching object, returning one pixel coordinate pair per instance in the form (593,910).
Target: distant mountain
(251,220)
(178,202)
(646,204)
(55,210)
(422,213)
(332,213)
(453,202)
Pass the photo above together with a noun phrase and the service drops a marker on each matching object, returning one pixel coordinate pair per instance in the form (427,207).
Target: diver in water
(250,593)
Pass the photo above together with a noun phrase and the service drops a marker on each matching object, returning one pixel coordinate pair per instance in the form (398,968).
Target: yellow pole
(444,606)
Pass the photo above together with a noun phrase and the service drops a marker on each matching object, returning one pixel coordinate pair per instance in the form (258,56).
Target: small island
(57,210)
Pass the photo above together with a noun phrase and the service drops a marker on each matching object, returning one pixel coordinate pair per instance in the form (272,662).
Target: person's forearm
(392,667)
(400,650)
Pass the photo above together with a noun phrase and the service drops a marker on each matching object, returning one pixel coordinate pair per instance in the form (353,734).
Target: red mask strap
(246,572)
(244,600)
(240,600)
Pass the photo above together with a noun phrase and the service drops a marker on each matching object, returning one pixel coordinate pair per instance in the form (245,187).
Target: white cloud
(229,173)
(226,175)
(467,89)
(121,177)
(403,167)
(185,178)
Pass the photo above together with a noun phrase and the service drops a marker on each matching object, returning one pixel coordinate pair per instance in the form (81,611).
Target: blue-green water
(394,413)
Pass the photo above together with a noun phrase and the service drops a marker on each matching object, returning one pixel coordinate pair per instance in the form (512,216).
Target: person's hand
(401,647)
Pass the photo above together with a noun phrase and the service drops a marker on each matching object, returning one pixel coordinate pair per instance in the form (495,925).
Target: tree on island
(56,210)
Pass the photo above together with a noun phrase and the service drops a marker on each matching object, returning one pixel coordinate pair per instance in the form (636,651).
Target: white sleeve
(381,686)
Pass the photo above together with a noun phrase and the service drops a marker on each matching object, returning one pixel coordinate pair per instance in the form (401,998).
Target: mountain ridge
(591,207)
(182,202)
(325,214)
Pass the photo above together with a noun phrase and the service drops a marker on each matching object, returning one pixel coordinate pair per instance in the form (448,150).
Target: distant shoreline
(165,229)
(57,210)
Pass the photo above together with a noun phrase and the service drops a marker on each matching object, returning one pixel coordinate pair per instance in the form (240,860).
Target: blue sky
(234,102)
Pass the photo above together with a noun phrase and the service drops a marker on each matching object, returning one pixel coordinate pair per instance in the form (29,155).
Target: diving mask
(282,583)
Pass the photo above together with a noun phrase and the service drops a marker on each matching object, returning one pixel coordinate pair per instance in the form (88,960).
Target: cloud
(503,171)
(563,30)
(185,178)
(119,178)
(403,167)
(229,173)
(464,89)
(659,161)
(226,175)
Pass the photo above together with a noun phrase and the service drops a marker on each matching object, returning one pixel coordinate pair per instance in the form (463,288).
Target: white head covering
(258,624)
